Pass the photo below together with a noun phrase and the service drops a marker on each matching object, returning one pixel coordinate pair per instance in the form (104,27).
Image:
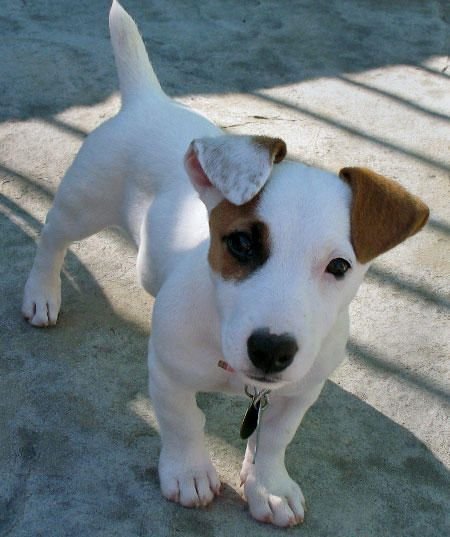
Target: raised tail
(136,75)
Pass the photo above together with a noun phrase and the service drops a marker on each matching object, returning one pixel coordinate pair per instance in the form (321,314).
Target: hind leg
(42,294)
(81,208)
(90,198)
(87,201)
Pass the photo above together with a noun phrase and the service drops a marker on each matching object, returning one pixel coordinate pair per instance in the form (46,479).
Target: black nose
(270,352)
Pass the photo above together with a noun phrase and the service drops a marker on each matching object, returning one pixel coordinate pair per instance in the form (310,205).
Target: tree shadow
(57,54)
(439,225)
(377,362)
(407,287)
(354,131)
(390,96)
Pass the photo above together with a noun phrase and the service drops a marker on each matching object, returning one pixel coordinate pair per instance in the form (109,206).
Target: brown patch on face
(383,213)
(275,146)
(226,220)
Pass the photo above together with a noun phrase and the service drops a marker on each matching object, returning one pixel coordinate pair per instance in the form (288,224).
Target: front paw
(188,479)
(272,496)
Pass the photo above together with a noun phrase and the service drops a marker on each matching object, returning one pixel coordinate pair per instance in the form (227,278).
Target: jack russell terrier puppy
(253,260)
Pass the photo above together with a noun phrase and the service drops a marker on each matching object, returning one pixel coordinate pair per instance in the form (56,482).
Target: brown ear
(383,213)
(275,146)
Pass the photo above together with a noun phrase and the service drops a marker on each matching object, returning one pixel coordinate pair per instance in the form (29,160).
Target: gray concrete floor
(344,83)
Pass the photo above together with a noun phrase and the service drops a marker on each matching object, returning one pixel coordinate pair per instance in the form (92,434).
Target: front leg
(274,497)
(186,473)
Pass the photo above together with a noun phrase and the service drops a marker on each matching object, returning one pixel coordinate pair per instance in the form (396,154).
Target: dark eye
(338,267)
(240,246)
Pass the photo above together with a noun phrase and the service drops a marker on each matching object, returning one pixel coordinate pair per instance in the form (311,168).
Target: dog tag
(250,420)
(263,404)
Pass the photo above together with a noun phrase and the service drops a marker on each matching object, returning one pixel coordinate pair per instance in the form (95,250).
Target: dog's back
(156,182)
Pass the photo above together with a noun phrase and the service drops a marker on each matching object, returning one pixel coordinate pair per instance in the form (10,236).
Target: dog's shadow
(361,473)
(80,443)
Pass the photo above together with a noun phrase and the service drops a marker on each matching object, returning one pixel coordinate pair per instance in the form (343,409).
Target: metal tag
(250,420)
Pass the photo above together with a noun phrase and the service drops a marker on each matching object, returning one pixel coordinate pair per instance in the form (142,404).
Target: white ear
(231,167)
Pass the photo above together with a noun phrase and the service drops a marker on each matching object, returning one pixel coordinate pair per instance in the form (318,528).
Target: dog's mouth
(265,379)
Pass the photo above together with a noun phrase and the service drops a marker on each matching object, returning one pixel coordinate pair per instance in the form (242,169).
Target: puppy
(253,260)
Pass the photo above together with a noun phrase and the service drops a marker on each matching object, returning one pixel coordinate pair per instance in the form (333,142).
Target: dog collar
(226,366)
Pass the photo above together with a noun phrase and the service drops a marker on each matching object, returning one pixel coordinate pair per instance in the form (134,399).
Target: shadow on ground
(282,46)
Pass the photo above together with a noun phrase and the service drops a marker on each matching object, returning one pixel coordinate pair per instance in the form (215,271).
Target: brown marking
(275,146)
(227,218)
(383,213)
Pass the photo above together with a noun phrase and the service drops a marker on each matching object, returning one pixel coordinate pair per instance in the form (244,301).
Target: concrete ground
(344,82)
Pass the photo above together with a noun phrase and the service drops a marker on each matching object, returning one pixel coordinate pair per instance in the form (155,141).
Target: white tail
(136,75)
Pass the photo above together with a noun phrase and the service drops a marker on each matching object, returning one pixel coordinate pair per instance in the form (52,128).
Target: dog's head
(289,247)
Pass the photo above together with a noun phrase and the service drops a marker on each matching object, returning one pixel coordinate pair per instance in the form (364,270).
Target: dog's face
(287,254)
(283,267)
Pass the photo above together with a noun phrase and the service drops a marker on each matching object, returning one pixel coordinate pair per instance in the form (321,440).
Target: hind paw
(41,302)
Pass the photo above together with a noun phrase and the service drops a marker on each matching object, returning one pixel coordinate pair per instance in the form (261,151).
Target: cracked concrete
(344,83)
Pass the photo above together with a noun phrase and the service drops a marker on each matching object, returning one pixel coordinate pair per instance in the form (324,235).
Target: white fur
(130,173)
(237,168)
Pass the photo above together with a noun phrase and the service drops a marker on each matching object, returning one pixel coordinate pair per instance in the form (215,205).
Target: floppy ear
(383,213)
(231,167)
